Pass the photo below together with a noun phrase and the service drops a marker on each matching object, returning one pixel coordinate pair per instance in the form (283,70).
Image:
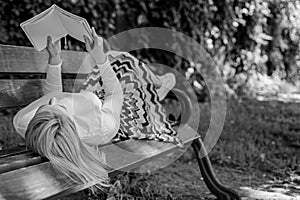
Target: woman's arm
(113,100)
(53,83)
(53,77)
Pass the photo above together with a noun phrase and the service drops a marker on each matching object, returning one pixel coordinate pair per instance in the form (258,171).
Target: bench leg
(215,187)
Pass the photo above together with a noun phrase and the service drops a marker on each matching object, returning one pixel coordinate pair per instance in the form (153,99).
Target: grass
(261,135)
(8,136)
(258,138)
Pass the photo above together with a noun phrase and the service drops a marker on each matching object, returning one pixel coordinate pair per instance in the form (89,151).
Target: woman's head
(52,133)
(49,125)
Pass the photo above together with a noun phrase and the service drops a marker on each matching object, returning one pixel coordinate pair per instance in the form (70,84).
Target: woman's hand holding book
(54,51)
(95,47)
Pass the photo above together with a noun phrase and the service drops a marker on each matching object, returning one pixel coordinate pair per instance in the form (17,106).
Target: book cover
(57,23)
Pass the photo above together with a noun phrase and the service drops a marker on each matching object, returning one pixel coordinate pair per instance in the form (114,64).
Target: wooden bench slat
(12,151)
(10,163)
(147,147)
(36,182)
(27,59)
(19,92)
(137,151)
(41,181)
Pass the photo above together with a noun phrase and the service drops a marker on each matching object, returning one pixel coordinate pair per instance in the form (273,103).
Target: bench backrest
(22,73)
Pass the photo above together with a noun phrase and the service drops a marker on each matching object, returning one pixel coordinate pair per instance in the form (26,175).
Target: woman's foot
(168,82)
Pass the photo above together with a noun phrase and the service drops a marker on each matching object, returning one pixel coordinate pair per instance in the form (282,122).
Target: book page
(75,27)
(38,31)
(71,15)
(77,18)
(38,17)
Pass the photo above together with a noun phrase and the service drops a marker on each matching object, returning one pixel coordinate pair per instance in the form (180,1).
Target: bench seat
(36,179)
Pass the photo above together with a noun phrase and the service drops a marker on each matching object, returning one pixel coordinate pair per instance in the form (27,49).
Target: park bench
(27,175)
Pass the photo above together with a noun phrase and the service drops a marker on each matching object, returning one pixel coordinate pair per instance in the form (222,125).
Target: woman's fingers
(54,51)
(51,46)
(95,37)
(94,34)
(97,54)
(57,44)
(98,41)
(88,43)
(49,42)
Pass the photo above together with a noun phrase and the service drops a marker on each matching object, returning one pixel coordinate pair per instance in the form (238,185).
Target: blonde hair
(53,134)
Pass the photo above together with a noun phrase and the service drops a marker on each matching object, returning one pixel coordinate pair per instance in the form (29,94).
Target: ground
(182,180)
(257,155)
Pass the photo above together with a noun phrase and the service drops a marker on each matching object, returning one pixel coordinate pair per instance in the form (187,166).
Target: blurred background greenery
(254,43)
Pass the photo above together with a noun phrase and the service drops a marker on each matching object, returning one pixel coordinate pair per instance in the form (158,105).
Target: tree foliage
(244,37)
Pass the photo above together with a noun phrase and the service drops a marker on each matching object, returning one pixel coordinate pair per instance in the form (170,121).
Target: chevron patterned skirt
(142,116)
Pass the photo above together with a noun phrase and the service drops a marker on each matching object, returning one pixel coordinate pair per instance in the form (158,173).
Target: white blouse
(96,123)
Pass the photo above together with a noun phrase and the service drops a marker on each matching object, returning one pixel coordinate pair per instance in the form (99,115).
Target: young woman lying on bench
(119,100)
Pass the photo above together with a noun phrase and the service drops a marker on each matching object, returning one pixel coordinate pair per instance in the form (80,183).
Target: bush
(240,35)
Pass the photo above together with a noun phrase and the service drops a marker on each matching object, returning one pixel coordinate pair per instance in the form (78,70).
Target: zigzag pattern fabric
(142,116)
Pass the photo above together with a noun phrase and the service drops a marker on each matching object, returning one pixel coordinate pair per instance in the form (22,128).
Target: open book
(57,23)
